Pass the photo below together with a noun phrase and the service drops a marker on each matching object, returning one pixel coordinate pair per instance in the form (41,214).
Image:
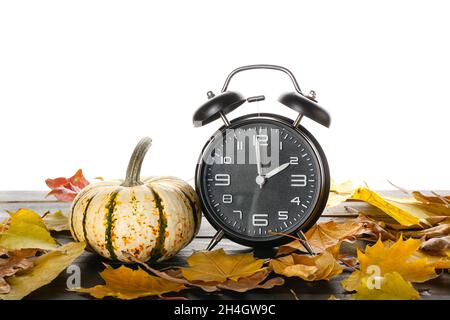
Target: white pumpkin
(151,219)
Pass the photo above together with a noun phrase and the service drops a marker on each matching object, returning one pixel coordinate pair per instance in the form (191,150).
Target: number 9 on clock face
(261,179)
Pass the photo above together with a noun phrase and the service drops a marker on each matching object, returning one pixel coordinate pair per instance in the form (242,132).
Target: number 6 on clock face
(278,186)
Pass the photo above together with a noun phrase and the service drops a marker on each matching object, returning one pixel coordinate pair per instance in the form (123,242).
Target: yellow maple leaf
(219,266)
(398,257)
(392,286)
(27,230)
(310,268)
(125,283)
(404,211)
(46,268)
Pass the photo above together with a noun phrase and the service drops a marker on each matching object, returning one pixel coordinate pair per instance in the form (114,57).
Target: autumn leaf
(12,262)
(56,221)
(405,211)
(310,268)
(26,230)
(255,281)
(66,189)
(436,199)
(437,246)
(328,234)
(219,266)
(428,233)
(398,257)
(392,286)
(125,283)
(339,193)
(46,268)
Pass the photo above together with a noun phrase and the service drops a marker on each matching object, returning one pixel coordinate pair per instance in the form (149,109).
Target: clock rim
(321,199)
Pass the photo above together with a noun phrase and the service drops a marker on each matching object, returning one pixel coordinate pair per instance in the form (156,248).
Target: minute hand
(276,170)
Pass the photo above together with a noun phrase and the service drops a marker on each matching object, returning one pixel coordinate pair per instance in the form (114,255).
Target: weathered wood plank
(14,200)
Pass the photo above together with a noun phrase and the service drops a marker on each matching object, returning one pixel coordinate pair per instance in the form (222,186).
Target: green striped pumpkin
(151,219)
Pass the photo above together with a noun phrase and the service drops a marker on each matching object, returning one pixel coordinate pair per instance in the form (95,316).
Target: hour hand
(276,170)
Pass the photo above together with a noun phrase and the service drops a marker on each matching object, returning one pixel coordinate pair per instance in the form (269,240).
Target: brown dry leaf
(433,232)
(310,268)
(56,221)
(12,262)
(46,268)
(397,257)
(219,266)
(392,286)
(437,246)
(125,283)
(328,234)
(255,281)
(339,193)
(437,199)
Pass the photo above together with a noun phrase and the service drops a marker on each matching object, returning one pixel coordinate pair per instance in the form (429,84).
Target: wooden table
(90,264)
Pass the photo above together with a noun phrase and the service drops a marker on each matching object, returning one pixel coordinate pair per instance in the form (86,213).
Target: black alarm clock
(261,177)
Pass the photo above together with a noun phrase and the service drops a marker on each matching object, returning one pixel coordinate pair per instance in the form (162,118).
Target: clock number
(262,139)
(239,212)
(260,220)
(222,179)
(296,200)
(293,160)
(227,198)
(298,180)
(283,215)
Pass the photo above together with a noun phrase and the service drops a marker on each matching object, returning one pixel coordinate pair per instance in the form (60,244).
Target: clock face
(259,179)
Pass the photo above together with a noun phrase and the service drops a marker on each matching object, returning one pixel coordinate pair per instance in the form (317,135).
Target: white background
(82,81)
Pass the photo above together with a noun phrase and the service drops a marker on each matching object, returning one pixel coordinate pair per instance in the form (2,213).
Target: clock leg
(305,242)
(215,240)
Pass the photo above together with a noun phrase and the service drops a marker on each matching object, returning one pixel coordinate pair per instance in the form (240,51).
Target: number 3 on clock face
(260,178)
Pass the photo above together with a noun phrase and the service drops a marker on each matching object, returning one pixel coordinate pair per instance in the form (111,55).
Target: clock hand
(259,178)
(258,157)
(277,170)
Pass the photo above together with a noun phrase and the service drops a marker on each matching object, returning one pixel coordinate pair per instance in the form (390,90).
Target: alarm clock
(261,178)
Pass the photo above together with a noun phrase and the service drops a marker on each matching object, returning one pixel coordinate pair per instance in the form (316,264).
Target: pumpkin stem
(133,177)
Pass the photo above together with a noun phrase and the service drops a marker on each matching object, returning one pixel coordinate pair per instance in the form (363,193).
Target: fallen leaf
(328,234)
(66,189)
(339,193)
(26,231)
(125,283)
(12,262)
(428,233)
(219,266)
(392,286)
(438,260)
(397,257)
(431,199)
(255,281)
(436,246)
(310,268)
(56,221)
(46,268)
(402,210)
